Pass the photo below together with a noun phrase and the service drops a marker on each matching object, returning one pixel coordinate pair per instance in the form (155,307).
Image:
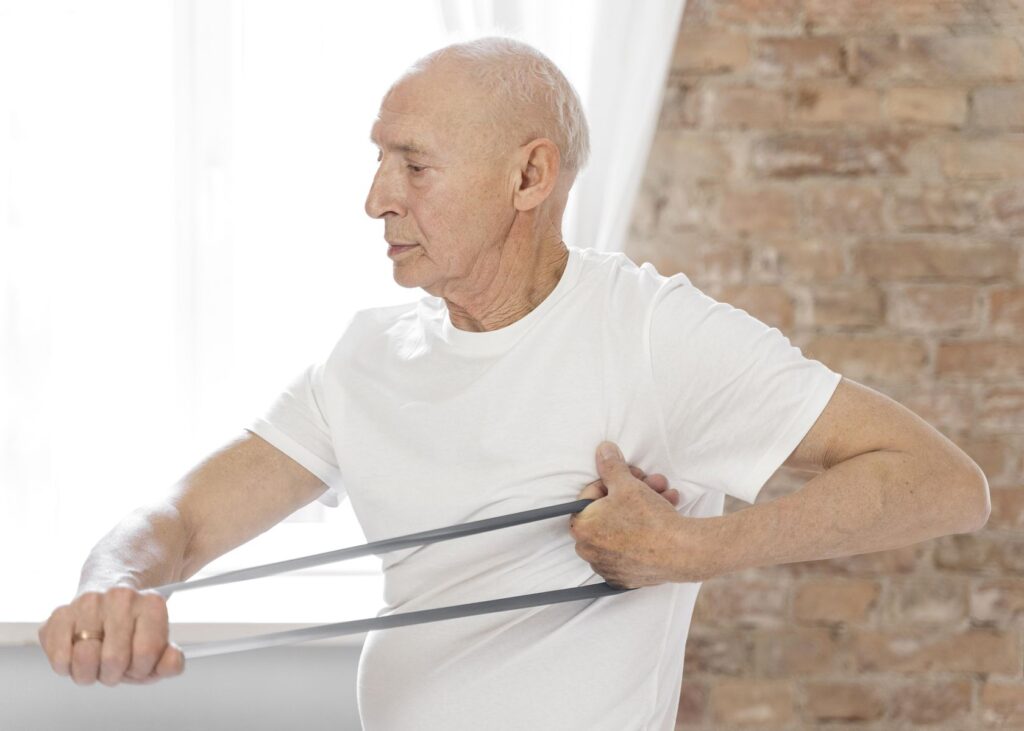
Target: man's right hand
(134,649)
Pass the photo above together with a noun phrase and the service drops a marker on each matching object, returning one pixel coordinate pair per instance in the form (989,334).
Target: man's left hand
(623,535)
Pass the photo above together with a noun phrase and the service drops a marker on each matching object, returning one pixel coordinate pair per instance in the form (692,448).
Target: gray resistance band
(222,647)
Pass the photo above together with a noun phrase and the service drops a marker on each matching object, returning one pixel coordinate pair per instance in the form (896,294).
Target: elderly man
(493,395)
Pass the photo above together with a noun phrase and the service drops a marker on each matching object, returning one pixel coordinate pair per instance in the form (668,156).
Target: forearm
(872,502)
(146,549)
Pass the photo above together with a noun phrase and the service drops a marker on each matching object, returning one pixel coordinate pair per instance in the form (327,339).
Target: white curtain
(617,55)
(182,230)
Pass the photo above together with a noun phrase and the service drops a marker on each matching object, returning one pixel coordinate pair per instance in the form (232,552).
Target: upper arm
(237,493)
(859,419)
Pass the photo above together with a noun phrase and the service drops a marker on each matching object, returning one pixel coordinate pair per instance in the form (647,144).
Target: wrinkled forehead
(432,112)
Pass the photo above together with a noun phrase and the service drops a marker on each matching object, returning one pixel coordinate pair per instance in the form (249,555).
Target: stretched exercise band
(222,647)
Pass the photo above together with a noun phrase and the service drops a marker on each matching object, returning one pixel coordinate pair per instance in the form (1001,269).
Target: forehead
(426,114)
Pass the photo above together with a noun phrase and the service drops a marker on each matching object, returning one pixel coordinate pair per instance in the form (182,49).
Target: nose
(383,197)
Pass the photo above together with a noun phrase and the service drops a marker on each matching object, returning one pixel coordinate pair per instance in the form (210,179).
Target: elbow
(975,502)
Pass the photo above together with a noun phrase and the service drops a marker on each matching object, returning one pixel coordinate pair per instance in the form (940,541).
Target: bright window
(181,231)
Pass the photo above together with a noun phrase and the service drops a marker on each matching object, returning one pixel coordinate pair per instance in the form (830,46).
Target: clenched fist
(134,648)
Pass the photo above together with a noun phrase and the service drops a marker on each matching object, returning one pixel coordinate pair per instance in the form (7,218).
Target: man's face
(439,184)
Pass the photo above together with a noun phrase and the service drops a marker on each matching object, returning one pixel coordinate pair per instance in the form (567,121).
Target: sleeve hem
(327,473)
(788,440)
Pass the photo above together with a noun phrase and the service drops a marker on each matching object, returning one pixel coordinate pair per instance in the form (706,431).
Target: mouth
(395,249)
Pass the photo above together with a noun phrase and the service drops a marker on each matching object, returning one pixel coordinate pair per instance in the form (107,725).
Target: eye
(416,168)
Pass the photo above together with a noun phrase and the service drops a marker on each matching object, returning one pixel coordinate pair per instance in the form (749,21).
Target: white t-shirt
(422,425)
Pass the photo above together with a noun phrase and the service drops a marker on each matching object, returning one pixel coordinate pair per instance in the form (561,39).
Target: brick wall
(852,172)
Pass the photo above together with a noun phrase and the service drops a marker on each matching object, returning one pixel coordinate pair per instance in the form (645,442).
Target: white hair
(520,75)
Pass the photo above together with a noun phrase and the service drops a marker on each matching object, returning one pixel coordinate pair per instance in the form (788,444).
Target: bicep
(237,493)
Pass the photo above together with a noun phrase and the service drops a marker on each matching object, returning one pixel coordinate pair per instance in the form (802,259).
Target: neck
(514,282)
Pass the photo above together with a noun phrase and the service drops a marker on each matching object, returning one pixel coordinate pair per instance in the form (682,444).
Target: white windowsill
(272,604)
(22,634)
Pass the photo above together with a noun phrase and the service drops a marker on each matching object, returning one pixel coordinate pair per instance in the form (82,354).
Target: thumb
(612,467)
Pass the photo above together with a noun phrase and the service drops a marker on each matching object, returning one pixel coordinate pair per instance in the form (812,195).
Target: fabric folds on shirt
(422,425)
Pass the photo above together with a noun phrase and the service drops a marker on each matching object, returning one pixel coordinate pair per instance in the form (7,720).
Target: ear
(539,165)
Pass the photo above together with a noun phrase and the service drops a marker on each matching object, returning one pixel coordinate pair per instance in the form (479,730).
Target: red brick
(843,208)
(698,14)
(899,561)
(847,306)
(1001,408)
(999,602)
(944,16)
(1011,555)
(757,211)
(937,16)
(752,702)
(970,552)
(934,308)
(871,358)
(927,105)
(1006,310)
(797,259)
(948,407)
(1000,108)
(718,652)
(843,702)
(667,206)
(681,108)
(1002,703)
(759,13)
(733,602)
(797,651)
(693,703)
(836,105)
(997,457)
(704,261)
(771,304)
(1008,208)
(710,52)
(935,208)
(844,17)
(980,359)
(682,155)
(832,600)
(933,258)
(746,107)
(840,153)
(971,651)
(1007,508)
(937,58)
(799,57)
(920,601)
(990,158)
(932,702)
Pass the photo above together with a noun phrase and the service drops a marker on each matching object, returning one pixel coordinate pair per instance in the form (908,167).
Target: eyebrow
(409,147)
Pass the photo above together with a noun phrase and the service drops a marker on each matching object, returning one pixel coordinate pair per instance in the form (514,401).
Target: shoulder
(620,271)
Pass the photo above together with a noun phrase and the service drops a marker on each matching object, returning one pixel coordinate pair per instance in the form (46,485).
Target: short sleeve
(295,424)
(736,396)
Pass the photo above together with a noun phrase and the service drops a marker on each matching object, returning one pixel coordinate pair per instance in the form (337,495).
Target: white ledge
(24,634)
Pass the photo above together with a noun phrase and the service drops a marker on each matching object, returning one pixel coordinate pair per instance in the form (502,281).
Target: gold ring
(84,634)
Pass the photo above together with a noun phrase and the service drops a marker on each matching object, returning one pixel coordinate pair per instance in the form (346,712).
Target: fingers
(134,648)
(55,639)
(172,662)
(658,482)
(150,640)
(118,627)
(85,654)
